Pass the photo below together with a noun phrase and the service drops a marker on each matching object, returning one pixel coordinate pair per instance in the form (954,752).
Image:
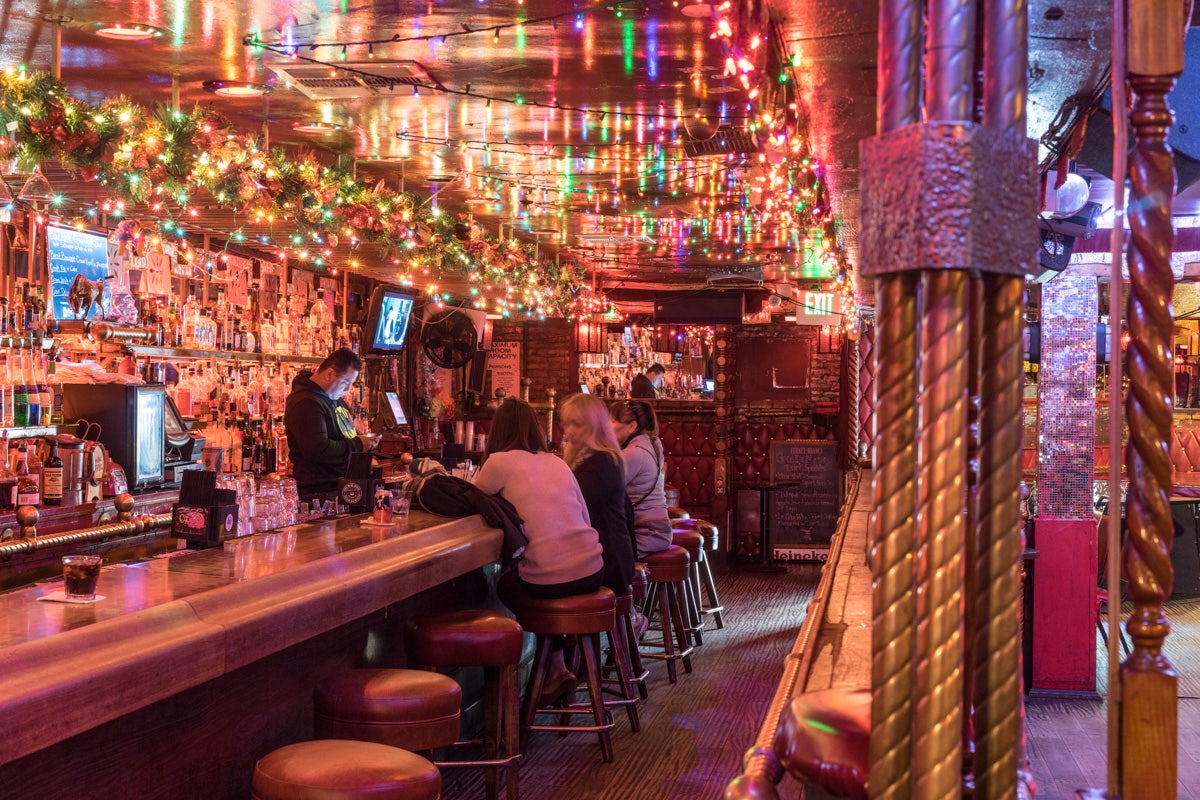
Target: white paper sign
(504,364)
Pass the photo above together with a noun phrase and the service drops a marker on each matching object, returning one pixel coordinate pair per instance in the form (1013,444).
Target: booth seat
(1185,461)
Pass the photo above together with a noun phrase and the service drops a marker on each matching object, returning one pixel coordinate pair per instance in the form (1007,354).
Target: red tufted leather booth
(1185,459)
(691,454)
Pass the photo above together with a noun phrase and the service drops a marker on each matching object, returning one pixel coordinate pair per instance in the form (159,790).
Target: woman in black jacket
(590,448)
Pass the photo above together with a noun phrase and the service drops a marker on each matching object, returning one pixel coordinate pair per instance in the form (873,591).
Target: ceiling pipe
(950,66)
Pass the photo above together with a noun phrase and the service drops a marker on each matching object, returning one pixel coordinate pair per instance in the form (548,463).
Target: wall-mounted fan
(450,338)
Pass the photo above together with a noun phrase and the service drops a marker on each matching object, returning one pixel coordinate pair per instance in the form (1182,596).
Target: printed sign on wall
(504,364)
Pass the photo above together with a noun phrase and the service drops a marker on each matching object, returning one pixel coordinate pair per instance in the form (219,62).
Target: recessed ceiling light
(127,31)
(316,126)
(237,88)
(697,10)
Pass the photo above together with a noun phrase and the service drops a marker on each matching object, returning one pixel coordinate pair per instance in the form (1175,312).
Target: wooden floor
(1068,739)
(694,732)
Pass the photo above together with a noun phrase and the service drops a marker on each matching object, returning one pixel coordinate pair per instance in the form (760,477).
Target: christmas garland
(164,155)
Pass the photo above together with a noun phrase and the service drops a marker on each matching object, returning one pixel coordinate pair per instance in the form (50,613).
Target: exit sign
(818,308)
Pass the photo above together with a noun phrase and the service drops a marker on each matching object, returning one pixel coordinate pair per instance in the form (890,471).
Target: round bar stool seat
(641,582)
(336,769)
(487,639)
(585,617)
(407,708)
(464,639)
(677,513)
(668,571)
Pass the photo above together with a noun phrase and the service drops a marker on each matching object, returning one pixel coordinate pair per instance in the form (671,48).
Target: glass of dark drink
(80,574)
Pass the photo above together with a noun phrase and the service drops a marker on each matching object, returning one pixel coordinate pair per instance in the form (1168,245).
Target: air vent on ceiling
(725,140)
(325,83)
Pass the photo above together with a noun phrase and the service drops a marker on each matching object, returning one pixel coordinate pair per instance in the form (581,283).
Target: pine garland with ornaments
(161,157)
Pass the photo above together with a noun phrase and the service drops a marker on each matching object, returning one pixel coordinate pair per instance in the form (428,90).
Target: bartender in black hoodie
(320,430)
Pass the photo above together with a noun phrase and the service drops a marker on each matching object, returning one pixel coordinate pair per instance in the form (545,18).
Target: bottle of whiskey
(52,476)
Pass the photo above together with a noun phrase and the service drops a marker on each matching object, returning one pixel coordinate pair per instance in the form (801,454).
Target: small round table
(764,489)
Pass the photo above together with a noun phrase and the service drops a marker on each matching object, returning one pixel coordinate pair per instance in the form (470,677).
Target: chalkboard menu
(805,516)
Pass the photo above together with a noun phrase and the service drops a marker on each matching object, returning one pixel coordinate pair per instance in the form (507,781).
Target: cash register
(183,446)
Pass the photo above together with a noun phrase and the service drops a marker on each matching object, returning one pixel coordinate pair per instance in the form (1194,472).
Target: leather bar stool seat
(337,769)
(823,739)
(407,708)
(677,513)
(694,544)
(668,571)
(487,639)
(583,617)
(464,639)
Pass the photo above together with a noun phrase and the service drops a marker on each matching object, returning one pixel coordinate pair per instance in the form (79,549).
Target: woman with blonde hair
(590,449)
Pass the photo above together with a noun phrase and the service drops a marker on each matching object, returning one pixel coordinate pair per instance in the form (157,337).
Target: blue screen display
(395,310)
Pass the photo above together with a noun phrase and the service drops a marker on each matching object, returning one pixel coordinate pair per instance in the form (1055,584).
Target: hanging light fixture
(591,336)
(36,187)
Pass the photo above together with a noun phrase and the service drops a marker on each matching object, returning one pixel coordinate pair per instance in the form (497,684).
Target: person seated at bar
(648,383)
(563,556)
(590,449)
(320,428)
(636,427)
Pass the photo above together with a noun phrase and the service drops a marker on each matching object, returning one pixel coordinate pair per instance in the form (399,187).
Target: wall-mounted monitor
(387,320)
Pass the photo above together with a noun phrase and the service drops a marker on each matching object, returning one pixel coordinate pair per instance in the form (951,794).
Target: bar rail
(760,765)
(138,524)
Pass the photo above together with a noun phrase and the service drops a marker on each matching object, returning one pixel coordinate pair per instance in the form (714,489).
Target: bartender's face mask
(341,383)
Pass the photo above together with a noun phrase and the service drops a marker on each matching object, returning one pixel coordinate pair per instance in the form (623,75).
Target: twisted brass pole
(950,50)
(996,693)
(852,428)
(1149,684)
(892,537)
(940,533)
(899,101)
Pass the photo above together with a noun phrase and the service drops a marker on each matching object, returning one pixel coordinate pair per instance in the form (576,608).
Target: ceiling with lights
(601,150)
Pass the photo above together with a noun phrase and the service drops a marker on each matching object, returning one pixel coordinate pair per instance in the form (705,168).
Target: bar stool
(668,574)
(584,617)
(336,769)
(622,647)
(479,638)
(694,544)
(706,584)
(407,708)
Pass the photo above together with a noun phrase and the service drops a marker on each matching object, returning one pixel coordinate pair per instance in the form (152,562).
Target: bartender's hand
(370,440)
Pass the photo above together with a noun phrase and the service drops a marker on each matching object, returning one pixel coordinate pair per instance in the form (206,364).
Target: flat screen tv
(387,320)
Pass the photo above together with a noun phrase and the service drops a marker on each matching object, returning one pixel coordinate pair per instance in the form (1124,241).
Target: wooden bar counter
(196,664)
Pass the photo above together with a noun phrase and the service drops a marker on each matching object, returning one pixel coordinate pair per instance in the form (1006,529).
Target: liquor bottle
(28,492)
(269,461)
(31,390)
(43,389)
(6,394)
(8,480)
(20,394)
(52,477)
(56,393)
(213,454)
(247,446)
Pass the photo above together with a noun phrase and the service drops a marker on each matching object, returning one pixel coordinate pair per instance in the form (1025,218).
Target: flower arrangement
(441,405)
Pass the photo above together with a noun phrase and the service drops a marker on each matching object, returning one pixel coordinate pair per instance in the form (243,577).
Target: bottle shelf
(32,432)
(221,355)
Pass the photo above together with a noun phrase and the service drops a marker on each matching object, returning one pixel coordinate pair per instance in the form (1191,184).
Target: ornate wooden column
(945,203)
(1149,686)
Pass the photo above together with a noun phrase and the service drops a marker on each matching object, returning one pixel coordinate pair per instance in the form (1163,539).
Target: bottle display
(52,477)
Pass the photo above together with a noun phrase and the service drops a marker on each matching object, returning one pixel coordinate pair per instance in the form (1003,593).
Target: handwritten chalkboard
(806,515)
(70,253)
